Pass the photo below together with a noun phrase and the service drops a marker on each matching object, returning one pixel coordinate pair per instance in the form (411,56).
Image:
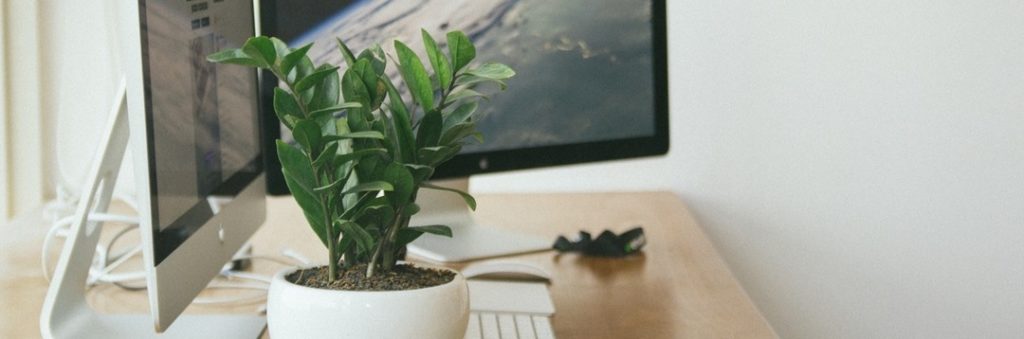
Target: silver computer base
(66,314)
(470,240)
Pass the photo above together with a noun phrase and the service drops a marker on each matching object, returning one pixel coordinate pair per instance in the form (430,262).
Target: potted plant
(362,154)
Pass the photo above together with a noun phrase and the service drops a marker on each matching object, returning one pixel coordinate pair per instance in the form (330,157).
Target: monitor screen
(202,118)
(590,81)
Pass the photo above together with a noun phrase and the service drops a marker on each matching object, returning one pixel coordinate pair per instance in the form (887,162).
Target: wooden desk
(679,287)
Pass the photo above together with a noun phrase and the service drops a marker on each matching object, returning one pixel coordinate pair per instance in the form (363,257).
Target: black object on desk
(607,244)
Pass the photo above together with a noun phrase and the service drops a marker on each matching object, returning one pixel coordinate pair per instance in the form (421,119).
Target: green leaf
(433,156)
(433,229)
(470,201)
(333,185)
(346,53)
(420,173)
(461,49)
(294,160)
(380,127)
(280,48)
(403,127)
(284,104)
(410,209)
(299,177)
(406,236)
(327,94)
(307,133)
(442,68)
(493,71)
(372,186)
(303,68)
(363,202)
(457,133)
(374,88)
(364,241)
(378,212)
(469,80)
(462,92)
(341,127)
(410,234)
(388,128)
(398,175)
(355,135)
(354,90)
(235,57)
(334,109)
(292,58)
(315,78)
(377,59)
(326,156)
(343,158)
(429,132)
(460,115)
(415,76)
(261,49)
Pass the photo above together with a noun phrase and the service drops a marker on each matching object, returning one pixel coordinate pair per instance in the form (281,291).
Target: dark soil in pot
(401,277)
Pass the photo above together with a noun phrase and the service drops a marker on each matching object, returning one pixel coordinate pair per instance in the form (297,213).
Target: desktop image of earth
(584,70)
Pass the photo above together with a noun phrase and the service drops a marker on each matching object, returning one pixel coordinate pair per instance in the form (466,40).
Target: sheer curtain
(22,162)
(4,192)
(60,67)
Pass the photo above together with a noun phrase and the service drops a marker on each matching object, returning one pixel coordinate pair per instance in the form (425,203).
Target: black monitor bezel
(504,160)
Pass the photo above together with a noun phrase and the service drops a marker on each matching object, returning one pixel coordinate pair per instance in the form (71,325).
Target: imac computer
(591,85)
(193,128)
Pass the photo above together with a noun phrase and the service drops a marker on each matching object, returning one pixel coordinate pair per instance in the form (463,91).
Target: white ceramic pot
(295,311)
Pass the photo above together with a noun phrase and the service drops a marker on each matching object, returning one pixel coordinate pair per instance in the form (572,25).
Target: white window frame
(22,138)
(5,197)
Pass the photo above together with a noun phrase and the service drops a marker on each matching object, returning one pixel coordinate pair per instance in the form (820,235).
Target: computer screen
(195,133)
(202,118)
(591,74)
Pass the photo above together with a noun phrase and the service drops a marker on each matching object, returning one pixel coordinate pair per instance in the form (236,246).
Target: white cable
(61,212)
(298,257)
(61,226)
(102,273)
(294,262)
(249,276)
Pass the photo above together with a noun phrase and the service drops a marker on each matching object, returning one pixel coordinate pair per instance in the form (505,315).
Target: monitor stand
(470,241)
(66,313)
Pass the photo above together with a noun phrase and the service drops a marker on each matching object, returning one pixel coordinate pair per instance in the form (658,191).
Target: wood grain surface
(678,288)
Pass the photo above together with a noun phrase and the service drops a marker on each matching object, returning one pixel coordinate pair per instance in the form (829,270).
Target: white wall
(860,164)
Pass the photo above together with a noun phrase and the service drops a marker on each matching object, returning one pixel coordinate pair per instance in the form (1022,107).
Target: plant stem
(332,252)
(389,238)
(444,94)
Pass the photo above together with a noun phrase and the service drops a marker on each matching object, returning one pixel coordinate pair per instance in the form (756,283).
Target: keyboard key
(542,325)
(507,326)
(524,326)
(489,326)
(473,329)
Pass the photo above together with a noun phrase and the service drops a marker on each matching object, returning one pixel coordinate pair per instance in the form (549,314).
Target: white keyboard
(486,325)
(509,310)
